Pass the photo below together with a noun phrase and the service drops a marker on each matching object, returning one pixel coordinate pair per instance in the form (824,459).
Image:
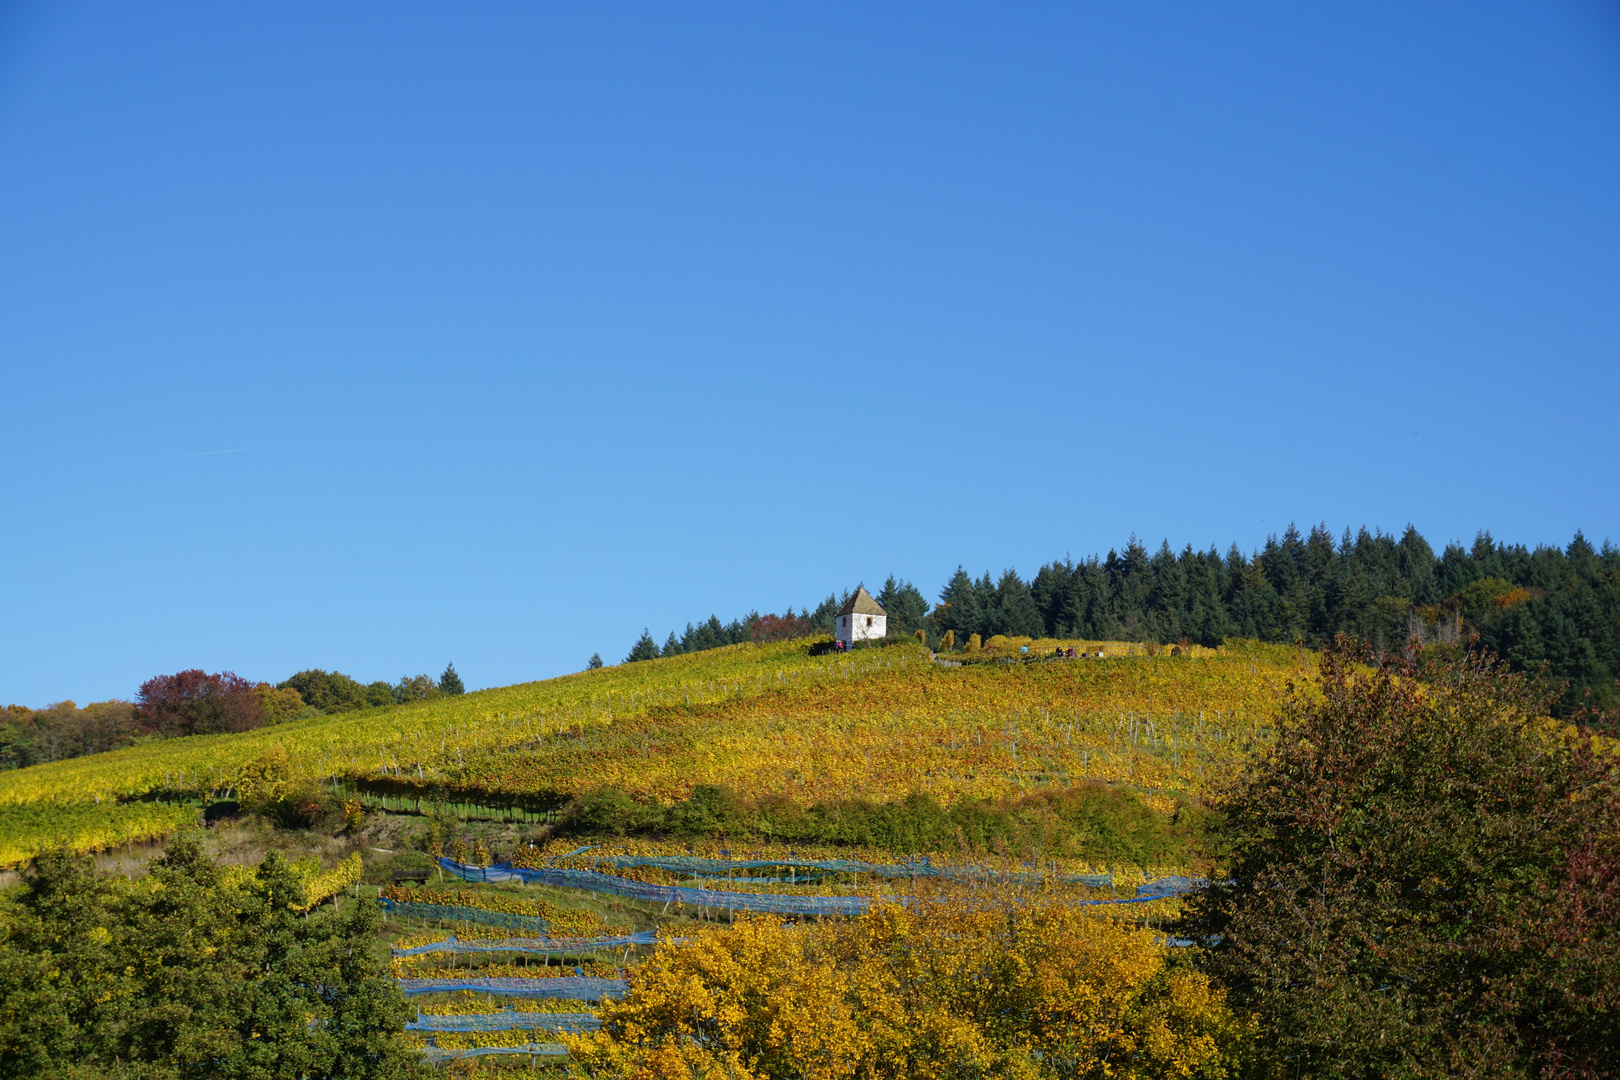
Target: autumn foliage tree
(1423,879)
(976,984)
(196,703)
(782,627)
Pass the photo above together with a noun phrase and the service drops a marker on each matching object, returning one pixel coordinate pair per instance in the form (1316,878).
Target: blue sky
(372,337)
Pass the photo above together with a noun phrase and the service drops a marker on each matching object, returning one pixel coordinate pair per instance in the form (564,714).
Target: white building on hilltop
(861,618)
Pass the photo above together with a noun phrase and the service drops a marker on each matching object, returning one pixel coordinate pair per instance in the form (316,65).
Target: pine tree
(672,645)
(594,662)
(904,604)
(1050,589)
(1019,617)
(450,683)
(645,648)
(963,612)
(825,616)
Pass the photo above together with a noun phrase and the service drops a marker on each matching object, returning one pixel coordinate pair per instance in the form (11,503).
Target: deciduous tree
(980,985)
(1423,880)
(194,702)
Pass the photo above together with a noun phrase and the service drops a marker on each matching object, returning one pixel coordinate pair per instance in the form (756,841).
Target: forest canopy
(1558,607)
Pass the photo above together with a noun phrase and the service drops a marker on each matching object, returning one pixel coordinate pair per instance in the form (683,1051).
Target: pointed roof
(861,604)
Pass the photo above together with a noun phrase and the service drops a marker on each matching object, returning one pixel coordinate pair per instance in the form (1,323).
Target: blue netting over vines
(507,1020)
(720,899)
(532,924)
(1175,885)
(574,987)
(718,869)
(545,946)
(665,894)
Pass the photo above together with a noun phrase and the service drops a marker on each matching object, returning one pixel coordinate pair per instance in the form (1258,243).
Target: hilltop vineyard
(771,719)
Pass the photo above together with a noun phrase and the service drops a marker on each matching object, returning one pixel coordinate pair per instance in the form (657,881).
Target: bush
(1424,880)
(603,812)
(299,806)
(709,811)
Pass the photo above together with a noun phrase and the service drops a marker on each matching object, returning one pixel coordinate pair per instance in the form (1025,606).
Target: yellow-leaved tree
(967,985)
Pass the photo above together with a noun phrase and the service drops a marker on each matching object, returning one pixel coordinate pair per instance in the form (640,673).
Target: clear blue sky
(372,337)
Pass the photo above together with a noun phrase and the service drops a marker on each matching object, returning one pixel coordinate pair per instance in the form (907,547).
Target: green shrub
(603,812)
(710,810)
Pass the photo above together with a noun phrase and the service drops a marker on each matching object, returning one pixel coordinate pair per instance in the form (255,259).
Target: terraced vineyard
(770,719)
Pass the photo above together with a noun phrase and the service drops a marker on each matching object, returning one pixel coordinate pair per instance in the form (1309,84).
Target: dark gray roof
(861,604)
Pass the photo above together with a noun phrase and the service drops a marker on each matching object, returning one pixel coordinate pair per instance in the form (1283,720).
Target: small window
(869,620)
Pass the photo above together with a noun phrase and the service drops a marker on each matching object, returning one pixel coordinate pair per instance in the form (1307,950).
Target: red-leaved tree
(196,703)
(781,627)
(1422,879)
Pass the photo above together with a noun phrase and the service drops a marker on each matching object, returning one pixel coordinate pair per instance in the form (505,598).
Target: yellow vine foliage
(769,719)
(429,739)
(329,883)
(906,724)
(28,828)
(972,984)
(562,920)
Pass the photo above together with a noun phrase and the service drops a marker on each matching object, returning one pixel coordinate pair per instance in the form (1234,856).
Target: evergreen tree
(825,617)
(1050,589)
(1551,605)
(672,646)
(1086,609)
(962,611)
(645,648)
(1167,601)
(904,604)
(594,662)
(1016,612)
(450,683)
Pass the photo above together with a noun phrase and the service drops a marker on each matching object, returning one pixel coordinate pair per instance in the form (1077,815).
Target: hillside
(771,720)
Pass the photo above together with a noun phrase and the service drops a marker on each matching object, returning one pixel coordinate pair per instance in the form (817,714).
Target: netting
(1175,885)
(573,987)
(506,1020)
(665,894)
(533,924)
(436,1054)
(726,900)
(546,946)
(717,869)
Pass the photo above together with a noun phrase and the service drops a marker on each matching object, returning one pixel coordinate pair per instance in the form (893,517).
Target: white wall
(849,635)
